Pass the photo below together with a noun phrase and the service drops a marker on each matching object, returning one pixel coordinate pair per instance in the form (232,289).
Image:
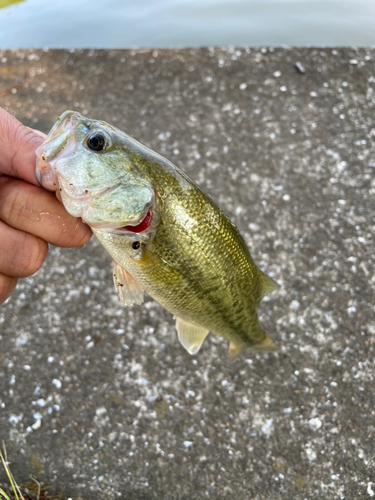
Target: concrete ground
(104,401)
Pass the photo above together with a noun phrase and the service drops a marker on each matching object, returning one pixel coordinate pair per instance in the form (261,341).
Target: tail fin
(266,344)
(267,284)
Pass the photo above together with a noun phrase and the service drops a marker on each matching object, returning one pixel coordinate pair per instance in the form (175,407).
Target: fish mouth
(84,199)
(80,207)
(61,142)
(57,159)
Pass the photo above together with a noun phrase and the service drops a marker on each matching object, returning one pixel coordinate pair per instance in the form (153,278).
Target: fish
(165,235)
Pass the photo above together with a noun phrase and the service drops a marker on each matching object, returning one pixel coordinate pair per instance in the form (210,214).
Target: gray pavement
(105,401)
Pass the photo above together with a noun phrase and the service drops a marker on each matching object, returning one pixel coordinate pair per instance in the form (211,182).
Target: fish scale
(189,256)
(206,255)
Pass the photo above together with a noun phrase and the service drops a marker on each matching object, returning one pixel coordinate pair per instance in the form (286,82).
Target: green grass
(3,495)
(16,492)
(32,490)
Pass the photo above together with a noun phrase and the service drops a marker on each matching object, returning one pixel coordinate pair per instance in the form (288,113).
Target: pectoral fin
(190,336)
(128,290)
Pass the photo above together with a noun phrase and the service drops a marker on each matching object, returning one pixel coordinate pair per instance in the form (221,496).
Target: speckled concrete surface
(105,400)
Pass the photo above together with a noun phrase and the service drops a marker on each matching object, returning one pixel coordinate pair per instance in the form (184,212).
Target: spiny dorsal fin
(127,288)
(190,336)
(267,284)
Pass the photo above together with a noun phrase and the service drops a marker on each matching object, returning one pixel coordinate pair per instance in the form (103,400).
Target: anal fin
(190,336)
(127,288)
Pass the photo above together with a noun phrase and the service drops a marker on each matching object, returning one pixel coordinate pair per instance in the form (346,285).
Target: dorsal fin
(267,284)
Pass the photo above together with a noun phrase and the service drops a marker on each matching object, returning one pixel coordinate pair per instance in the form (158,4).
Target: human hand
(30,216)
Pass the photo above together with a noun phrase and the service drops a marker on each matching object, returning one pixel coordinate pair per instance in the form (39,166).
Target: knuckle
(24,135)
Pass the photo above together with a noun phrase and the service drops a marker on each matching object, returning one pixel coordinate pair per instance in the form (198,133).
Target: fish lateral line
(185,252)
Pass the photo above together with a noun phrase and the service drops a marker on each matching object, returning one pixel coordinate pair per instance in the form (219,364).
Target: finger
(18,145)
(37,211)
(22,254)
(38,132)
(7,286)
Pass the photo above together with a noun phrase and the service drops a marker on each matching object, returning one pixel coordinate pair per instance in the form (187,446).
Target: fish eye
(96,141)
(136,245)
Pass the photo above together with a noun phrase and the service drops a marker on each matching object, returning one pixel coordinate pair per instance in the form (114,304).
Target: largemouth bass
(165,235)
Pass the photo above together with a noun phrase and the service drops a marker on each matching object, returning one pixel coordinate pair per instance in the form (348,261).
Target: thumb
(17,148)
